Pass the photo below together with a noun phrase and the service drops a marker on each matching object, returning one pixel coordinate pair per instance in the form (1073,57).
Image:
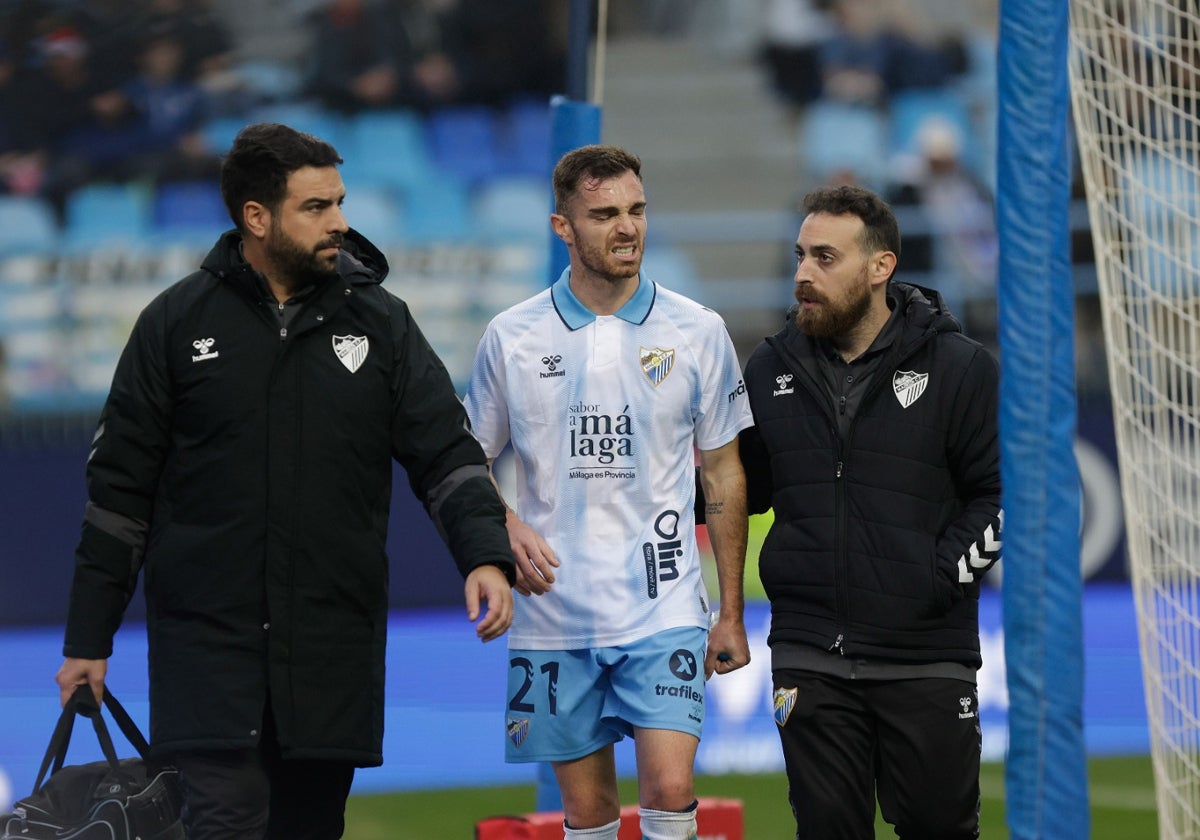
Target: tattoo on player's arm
(711,508)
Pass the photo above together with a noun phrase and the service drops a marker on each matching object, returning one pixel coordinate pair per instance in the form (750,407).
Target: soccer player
(605,385)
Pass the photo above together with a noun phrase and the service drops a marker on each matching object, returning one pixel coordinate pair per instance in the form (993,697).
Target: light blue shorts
(565,704)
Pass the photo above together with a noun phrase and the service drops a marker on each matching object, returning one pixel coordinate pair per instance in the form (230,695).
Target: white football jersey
(604,414)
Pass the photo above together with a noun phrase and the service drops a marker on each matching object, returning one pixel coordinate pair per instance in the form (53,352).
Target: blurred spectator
(431,53)
(8,100)
(376,55)
(208,49)
(500,50)
(113,30)
(59,100)
(75,123)
(961,246)
(794,31)
(162,140)
(873,53)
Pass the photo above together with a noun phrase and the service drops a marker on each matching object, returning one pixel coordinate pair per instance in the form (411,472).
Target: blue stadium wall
(42,494)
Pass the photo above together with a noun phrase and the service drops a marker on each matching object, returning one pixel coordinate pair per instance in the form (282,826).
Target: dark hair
(261,160)
(595,161)
(880,231)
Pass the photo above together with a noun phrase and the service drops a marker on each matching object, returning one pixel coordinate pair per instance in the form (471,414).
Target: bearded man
(244,462)
(875,441)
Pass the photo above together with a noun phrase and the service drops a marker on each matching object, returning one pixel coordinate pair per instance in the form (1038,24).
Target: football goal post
(1135,90)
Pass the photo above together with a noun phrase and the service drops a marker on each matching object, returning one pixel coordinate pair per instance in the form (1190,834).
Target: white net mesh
(1135,88)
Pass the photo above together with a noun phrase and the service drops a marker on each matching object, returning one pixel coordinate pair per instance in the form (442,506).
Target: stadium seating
(669,266)
(27,225)
(464,141)
(309,117)
(191,211)
(219,132)
(437,209)
(387,146)
(513,206)
(525,146)
(104,215)
(837,139)
(270,81)
(375,211)
(911,110)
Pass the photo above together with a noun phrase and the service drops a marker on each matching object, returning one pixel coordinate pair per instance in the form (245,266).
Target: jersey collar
(575,315)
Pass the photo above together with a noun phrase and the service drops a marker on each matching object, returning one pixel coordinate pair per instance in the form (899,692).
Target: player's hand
(535,559)
(487,584)
(76,672)
(728,648)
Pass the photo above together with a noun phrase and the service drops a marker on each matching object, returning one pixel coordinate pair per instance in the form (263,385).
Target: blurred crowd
(122,89)
(920,86)
(857,51)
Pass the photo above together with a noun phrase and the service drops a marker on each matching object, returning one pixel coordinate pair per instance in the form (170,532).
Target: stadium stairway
(721,167)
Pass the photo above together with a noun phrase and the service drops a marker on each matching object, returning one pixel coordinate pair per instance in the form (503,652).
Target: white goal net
(1135,91)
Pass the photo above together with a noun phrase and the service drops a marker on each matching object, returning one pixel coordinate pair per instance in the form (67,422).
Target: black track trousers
(916,741)
(253,794)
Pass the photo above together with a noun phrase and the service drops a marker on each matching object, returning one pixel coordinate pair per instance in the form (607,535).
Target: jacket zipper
(841,552)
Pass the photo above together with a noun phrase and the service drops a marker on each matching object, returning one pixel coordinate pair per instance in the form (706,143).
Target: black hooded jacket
(880,538)
(248,470)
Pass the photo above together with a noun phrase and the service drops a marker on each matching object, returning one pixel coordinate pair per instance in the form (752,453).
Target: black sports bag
(114,799)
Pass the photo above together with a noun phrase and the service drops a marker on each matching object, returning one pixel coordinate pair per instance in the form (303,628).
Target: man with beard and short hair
(605,385)
(875,441)
(244,458)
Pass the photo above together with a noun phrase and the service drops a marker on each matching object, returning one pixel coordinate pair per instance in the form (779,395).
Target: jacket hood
(923,308)
(359,262)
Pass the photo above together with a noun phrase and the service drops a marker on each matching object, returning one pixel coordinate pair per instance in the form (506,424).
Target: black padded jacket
(246,471)
(879,538)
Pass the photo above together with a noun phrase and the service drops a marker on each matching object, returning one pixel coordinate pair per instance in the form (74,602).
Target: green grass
(1121,796)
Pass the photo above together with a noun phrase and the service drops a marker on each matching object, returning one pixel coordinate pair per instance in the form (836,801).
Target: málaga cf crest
(909,385)
(351,350)
(784,700)
(518,730)
(656,363)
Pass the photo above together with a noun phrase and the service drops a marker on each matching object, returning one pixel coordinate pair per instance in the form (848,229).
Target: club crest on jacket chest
(351,350)
(908,385)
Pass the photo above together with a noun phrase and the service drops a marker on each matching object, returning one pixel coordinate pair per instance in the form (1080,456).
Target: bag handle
(83,702)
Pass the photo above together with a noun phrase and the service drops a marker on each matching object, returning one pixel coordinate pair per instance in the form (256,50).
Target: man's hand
(76,672)
(487,584)
(728,648)
(535,559)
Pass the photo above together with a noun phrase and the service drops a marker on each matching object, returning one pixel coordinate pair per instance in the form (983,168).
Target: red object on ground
(716,819)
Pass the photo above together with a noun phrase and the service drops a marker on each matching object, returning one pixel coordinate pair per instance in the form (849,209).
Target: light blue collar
(576,315)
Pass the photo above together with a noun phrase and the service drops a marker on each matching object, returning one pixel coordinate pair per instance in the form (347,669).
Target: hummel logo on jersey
(909,386)
(784,381)
(351,350)
(966,712)
(204,348)
(552,363)
(656,363)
